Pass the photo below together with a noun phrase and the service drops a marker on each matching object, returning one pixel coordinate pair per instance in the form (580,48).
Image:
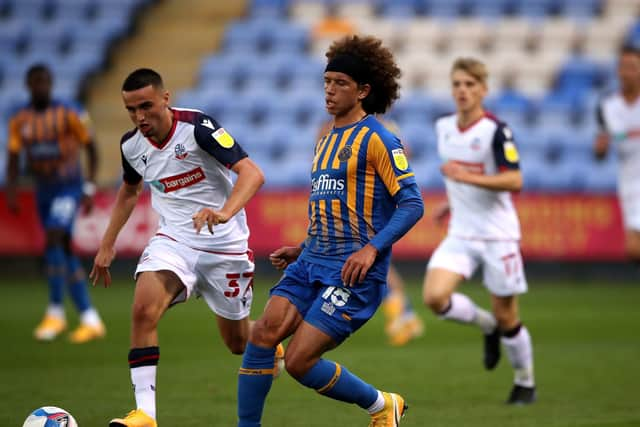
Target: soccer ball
(50,416)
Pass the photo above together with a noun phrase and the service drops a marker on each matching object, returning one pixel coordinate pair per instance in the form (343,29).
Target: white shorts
(630,206)
(225,281)
(501,261)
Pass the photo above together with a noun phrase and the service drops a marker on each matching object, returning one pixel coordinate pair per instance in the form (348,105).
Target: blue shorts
(337,311)
(58,207)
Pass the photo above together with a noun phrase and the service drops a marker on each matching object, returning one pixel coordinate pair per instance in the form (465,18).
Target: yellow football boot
(406,327)
(389,416)
(392,307)
(278,363)
(135,418)
(50,328)
(84,333)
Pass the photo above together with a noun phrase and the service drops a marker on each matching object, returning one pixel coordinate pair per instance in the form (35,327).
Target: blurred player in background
(481,167)
(619,123)
(185,156)
(52,134)
(364,197)
(402,324)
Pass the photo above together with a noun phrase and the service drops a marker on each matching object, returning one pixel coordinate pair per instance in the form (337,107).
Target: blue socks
(334,381)
(254,382)
(55,260)
(326,377)
(60,268)
(77,284)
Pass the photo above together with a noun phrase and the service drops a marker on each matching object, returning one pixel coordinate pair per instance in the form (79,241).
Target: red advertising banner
(554,227)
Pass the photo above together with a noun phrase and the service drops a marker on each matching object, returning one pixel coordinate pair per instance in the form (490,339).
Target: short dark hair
(142,77)
(629,49)
(35,69)
(383,73)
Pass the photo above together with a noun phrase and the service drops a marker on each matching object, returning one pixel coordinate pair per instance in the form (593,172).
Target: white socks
(377,405)
(463,310)
(518,347)
(520,353)
(143,379)
(90,317)
(56,310)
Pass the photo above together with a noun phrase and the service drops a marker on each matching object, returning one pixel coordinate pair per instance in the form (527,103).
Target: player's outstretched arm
(250,179)
(89,186)
(125,202)
(601,146)
(284,256)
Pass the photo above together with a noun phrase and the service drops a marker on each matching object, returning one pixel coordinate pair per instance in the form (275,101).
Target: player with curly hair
(335,280)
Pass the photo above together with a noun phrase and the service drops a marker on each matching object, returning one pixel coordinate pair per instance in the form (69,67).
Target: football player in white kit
(200,247)
(619,122)
(481,169)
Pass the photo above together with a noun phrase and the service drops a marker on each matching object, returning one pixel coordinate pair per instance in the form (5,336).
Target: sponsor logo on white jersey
(176,182)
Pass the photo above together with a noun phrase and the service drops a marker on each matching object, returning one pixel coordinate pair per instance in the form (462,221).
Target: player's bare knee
(144,314)
(506,320)
(264,334)
(436,301)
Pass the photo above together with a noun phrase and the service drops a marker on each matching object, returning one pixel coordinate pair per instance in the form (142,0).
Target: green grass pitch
(586,343)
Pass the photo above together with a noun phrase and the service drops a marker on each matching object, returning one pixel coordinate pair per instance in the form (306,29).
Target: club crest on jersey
(181,152)
(475,144)
(345,153)
(223,138)
(400,159)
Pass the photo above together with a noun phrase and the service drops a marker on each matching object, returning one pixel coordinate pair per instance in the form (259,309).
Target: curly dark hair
(383,71)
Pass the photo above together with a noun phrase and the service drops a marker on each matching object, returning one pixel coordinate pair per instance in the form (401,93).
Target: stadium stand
(71,36)
(549,60)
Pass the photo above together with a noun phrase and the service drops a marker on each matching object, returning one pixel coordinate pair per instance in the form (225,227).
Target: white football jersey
(621,121)
(485,147)
(188,171)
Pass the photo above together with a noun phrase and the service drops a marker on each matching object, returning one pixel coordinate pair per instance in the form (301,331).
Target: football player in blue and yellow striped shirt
(51,134)
(363,198)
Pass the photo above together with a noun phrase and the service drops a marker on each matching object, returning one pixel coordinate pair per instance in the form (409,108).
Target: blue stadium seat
(412,106)
(51,36)
(581,9)
(78,11)
(398,8)
(563,177)
(532,167)
(537,8)
(33,11)
(265,35)
(420,140)
(444,9)
(427,171)
(269,8)
(487,9)
(579,73)
(14,36)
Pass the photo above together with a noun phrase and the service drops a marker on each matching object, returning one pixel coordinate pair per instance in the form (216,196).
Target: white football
(50,416)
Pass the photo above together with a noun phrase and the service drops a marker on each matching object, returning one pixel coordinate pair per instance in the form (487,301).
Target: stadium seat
(269,8)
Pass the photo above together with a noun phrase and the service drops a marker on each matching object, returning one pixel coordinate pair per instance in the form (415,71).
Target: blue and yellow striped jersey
(356,172)
(52,139)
